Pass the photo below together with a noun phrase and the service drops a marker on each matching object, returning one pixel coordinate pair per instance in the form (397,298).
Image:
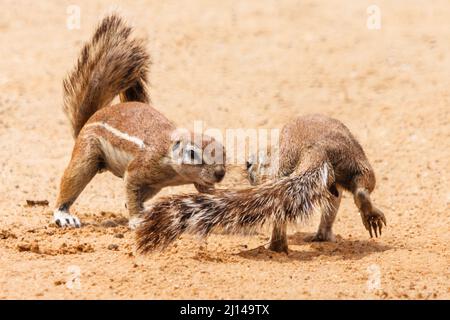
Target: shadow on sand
(346,249)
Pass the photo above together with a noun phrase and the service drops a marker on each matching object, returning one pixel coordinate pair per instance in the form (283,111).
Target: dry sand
(235,65)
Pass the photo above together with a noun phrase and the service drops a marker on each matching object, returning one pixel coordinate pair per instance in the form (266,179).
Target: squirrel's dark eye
(248,165)
(176,145)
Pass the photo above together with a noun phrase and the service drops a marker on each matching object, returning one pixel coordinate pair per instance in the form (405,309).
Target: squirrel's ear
(176,145)
(177,152)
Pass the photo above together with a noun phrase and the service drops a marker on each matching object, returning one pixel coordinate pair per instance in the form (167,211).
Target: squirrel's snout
(219,173)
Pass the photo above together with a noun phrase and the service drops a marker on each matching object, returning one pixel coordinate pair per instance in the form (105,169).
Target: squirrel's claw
(373,222)
(65,219)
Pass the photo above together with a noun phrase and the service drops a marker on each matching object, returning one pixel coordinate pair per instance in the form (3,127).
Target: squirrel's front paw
(64,219)
(373,221)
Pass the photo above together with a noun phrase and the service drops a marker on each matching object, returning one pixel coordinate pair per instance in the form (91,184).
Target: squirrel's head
(259,168)
(202,162)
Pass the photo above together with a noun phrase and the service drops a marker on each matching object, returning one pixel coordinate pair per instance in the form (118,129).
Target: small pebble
(108,224)
(58,282)
(113,247)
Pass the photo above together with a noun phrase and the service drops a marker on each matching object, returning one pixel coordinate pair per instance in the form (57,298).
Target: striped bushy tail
(290,199)
(111,63)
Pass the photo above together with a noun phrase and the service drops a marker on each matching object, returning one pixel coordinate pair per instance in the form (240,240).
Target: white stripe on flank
(324,173)
(120,134)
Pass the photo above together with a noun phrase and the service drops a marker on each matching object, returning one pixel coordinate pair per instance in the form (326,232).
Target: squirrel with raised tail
(131,139)
(318,159)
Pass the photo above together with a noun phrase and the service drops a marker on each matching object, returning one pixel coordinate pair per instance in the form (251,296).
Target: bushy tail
(290,199)
(111,63)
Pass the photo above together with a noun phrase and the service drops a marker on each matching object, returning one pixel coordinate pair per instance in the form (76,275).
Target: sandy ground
(253,64)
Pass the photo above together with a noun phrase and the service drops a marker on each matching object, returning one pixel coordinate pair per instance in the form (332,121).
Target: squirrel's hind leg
(325,231)
(83,166)
(278,240)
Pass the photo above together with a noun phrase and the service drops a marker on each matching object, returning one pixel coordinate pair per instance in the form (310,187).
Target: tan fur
(318,157)
(290,199)
(111,63)
(304,142)
(132,140)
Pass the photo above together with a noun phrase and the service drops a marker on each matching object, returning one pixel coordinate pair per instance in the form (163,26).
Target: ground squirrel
(318,158)
(130,139)
(304,142)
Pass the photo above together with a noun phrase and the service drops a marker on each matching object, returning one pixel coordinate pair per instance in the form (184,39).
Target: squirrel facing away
(318,158)
(304,143)
(130,139)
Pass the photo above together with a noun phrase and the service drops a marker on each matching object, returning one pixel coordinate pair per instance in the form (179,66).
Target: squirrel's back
(110,64)
(138,120)
(305,136)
